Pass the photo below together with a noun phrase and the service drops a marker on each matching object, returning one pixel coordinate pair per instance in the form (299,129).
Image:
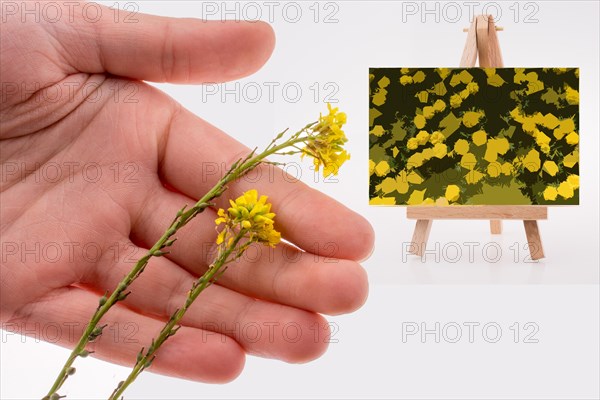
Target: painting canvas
(474,136)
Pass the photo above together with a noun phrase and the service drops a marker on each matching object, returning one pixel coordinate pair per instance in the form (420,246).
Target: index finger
(164,49)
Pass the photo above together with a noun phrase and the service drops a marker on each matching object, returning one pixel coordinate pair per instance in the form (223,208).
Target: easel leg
(496,226)
(420,236)
(533,239)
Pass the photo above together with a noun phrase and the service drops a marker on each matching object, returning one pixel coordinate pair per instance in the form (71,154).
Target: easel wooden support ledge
(483,41)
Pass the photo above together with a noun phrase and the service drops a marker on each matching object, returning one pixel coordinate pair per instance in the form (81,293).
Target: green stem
(144,360)
(118,294)
(238,169)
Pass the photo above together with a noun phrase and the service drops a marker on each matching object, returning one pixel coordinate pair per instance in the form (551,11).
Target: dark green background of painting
(401,106)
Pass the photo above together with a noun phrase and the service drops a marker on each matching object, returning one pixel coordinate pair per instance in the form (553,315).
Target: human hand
(91,178)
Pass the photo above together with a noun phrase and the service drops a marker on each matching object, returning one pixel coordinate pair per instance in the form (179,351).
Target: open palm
(96,163)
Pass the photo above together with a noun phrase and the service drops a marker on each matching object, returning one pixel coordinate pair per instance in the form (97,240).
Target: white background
(558,295)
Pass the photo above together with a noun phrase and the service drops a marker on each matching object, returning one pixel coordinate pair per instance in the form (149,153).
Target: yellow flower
(472,87)
(572,138)
(423,137)
(443,72)
(499,145)
(565,190)
(545,148)
(564,127)
(418,77)
(455,101)
(507,168)
(416,197)
(541,138)
(378,131)
(388,185)
(415,161)
(461,147)
(494,170)
(439,105)
(437,137)
(571,159)
(382,168)
(427,153)
(468,161)
(371,167)
(491,155)
(479,138)
(532,161)
(550,167)
(452,193)
(251,216)
(550,193)
(471,118)
(402,186)
(517,115)
(406,79)
(573,180)
(428,112)
(550,121)
(419,121)
(325,144)
(529,126)
(440,150)
(474,176)
(572,95)
(412,143)
(414,178)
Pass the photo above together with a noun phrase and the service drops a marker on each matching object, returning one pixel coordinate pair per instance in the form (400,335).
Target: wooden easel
(482,40)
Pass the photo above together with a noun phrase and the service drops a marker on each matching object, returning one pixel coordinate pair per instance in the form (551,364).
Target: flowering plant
(248,220)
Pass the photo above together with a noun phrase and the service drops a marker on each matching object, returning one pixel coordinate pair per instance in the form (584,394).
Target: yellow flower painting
(474,136)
